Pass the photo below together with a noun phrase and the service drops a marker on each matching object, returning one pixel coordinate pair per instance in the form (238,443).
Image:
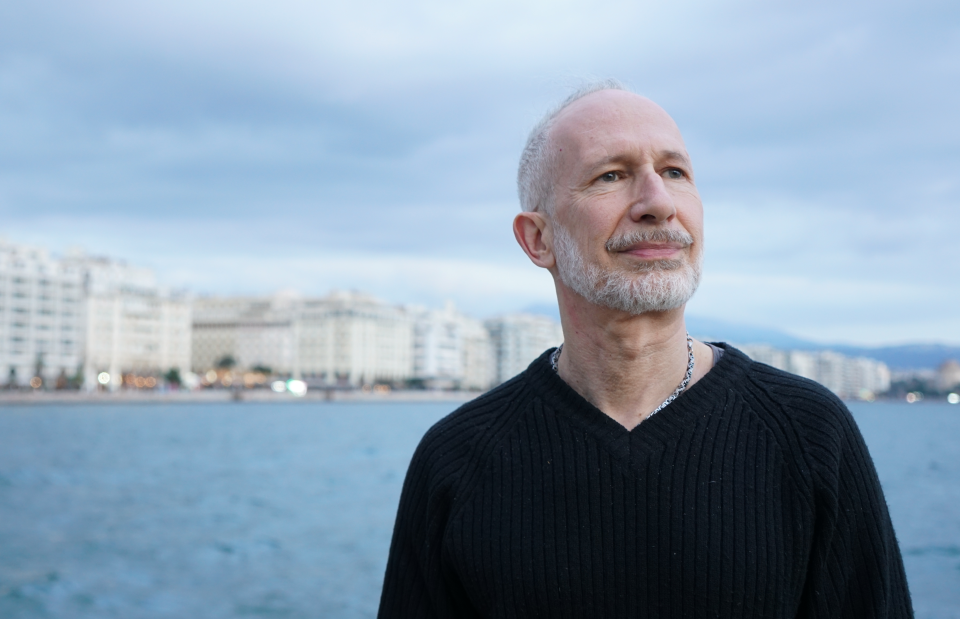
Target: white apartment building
(451,350)
(41,316)
(478,356)
(948,375)
(799,362)
(518,339)
(81,314)
(131,324)
(250,331)
(869,377)
(848,377)
(803,363)
(349,338)
(343,339)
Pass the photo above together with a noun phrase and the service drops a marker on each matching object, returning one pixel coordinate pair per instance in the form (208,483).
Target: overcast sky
(247,147)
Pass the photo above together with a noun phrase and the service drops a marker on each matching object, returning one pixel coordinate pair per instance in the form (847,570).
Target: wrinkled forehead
(611,122)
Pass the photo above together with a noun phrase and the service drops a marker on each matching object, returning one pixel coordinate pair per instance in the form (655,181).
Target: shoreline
(226,396)
(213,396)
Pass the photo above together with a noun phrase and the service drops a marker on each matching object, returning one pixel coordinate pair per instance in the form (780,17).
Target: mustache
(653,235)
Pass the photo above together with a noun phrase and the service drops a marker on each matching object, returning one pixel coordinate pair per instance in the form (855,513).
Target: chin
(640,293)
(645,286)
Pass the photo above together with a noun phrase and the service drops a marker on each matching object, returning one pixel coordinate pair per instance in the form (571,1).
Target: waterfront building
(802,363)
(63,320)
(354,339)
(774,357)
(244,332)
(41,317)
(131,324)
(518,339)
(345,339)
(870,377)
(848,377)
(948,375)
(832,373)
(451,350)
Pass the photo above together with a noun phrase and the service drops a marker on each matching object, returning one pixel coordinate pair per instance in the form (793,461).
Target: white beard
(655,286)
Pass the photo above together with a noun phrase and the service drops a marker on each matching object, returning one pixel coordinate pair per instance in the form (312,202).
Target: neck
(623,364)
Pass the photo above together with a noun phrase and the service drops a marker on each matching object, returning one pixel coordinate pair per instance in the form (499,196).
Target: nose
(652,203)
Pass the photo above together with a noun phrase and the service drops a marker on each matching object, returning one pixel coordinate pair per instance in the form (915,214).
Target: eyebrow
(675,154)
(662,154)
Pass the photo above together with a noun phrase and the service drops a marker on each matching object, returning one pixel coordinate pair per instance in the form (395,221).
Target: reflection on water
(238,510)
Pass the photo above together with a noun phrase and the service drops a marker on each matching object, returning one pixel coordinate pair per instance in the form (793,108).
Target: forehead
(613,123)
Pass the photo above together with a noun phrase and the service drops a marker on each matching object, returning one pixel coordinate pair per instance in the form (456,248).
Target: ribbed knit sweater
(751,495)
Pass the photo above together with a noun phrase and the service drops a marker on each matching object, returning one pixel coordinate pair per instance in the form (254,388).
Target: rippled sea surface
(265,510)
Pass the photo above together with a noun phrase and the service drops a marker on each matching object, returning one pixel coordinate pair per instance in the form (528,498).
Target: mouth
(654,251)
(656,244)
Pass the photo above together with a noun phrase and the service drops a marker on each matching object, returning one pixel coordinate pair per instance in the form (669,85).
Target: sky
(247,147)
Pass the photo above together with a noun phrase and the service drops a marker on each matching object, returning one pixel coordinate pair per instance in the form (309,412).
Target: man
(636,472)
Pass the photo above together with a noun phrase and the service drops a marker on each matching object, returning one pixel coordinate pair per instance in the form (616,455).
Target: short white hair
(534,177)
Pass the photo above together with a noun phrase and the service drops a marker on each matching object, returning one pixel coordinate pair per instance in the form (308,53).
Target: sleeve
(855,568)
(416,583)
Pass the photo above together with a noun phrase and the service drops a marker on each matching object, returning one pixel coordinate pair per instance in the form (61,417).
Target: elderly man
(634,471)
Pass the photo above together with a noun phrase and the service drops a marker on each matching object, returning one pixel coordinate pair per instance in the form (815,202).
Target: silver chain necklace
(555,357)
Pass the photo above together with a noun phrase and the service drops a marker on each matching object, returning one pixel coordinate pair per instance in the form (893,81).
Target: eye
(674,173)
(610,177)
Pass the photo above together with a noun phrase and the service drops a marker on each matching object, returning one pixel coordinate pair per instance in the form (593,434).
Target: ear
(530,228)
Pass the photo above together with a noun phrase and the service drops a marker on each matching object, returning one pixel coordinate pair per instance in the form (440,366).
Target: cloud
(824,136)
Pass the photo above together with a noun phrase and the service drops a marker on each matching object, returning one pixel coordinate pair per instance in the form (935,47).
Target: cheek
(690,213)
(594,221)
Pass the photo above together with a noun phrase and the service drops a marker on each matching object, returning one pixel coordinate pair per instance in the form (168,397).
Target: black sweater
(751,495)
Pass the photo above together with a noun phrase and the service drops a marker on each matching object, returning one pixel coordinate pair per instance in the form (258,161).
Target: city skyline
(85,322)
(702,325)
(246,149)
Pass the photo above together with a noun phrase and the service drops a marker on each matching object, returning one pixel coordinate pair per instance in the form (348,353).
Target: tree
(173,377)
(77,380)
(227,362)
(38,367)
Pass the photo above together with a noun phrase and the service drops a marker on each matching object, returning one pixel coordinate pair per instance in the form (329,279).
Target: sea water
(265,510)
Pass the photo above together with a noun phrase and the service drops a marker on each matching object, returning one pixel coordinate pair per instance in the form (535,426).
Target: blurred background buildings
(65,320)
(848,377)
(87,322)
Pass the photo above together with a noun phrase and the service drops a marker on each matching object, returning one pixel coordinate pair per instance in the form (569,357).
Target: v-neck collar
(656,430)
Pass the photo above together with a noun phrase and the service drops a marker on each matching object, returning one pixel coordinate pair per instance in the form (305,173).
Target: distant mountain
(907,356)
(713,330)
(903,357)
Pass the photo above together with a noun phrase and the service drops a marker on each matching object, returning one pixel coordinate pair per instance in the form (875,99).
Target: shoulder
(810,421)
(462,440)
